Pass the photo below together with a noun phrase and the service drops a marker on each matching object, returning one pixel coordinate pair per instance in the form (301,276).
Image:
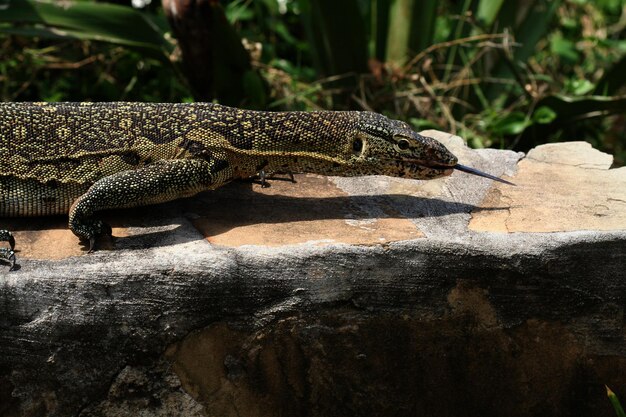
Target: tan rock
(561,187)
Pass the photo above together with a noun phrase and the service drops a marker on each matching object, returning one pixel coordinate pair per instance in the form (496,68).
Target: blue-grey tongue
(474,171)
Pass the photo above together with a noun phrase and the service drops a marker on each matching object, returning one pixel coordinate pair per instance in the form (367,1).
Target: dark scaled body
(79,158)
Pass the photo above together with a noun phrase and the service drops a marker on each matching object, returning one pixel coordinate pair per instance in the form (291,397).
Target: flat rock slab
(562,187)
(333,296)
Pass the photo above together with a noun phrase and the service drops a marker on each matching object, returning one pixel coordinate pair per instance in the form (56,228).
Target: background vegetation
(508,74)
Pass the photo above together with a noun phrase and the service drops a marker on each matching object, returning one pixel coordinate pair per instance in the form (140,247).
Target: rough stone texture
(562,188)
(333,296)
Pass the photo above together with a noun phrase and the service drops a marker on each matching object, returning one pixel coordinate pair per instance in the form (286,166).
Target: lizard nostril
(357,145)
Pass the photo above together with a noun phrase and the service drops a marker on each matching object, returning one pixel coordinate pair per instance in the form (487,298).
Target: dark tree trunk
(214,59)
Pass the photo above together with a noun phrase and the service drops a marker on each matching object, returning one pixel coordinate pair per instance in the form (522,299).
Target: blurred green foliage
(508,74)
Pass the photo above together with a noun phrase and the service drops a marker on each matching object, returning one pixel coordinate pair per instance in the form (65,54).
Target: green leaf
(565,48)
(422,124)
(569,23)
(579,87)
(33,32)
(238,11)
(613,6)
(512,123)
(104,22)
(543,115)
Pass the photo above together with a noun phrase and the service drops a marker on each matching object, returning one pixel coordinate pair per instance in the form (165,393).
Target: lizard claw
(103,230)
(262,177)
(90,230)
(12,260)
(6,236)
(7,255)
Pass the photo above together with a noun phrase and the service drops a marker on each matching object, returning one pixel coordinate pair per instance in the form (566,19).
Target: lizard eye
(357,146)
(403,144)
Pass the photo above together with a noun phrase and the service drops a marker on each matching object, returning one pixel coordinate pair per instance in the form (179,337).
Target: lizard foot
(90,230)
(6,254)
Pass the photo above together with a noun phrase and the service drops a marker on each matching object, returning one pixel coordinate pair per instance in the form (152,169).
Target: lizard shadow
(237,205)
(241,204)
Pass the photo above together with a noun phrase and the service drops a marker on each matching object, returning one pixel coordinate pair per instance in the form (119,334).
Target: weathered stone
(333,296)
(562,187)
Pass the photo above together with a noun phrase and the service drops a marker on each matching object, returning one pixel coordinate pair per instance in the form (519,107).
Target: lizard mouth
(422,170)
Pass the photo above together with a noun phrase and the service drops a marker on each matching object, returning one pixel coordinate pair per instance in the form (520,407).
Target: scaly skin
(79,158)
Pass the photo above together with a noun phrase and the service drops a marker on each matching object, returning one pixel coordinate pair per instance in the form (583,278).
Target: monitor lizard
(79,158)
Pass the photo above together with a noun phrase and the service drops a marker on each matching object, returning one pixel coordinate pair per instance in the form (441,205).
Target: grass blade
(488,11)
(529,22)
(411,28)
(336,30)
(615,402)
(379,28)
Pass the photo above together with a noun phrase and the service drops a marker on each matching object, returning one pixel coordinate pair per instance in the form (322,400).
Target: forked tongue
(480,173)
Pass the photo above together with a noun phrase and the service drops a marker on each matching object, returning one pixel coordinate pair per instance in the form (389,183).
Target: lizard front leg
(7,254)
(159,182)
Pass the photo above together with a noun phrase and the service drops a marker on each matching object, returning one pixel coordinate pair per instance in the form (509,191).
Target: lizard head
(390,147)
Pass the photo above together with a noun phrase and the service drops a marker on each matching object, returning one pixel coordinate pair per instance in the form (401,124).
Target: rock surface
(333,296)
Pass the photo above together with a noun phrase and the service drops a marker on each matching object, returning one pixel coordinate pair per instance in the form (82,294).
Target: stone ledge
(338,296)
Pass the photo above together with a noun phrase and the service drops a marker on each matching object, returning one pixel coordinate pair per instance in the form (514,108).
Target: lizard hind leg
(162,181)
(7,254)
